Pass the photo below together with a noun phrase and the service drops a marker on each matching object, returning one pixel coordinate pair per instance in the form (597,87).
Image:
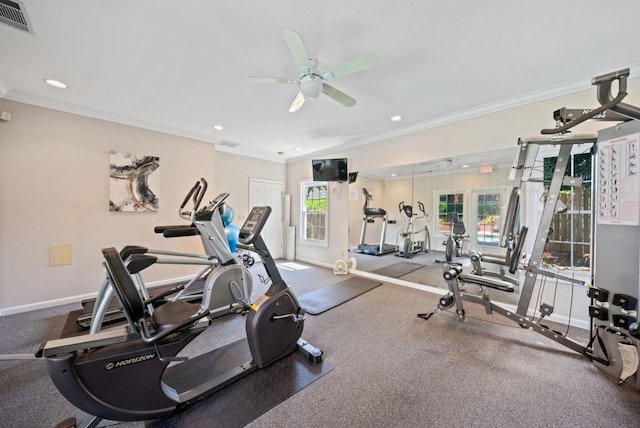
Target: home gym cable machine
(615,268)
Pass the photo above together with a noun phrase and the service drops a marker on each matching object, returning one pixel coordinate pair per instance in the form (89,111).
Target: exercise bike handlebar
(196,187)
(198,199)
(196,193)
(176,232)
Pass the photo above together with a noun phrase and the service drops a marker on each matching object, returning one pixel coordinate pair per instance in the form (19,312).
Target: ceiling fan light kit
(311,86)
(312,82)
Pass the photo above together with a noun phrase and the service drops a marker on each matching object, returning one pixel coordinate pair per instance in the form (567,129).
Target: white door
(265,192)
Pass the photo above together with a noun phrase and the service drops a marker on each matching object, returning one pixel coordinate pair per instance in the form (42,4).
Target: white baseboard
(315,262)
(75,299)
(46,304)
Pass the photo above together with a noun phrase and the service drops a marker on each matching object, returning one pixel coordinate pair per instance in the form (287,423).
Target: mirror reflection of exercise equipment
(408,240)
(453,244)
(369,215)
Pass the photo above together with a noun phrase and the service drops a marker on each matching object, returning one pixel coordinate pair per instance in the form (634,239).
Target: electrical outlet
(5,116)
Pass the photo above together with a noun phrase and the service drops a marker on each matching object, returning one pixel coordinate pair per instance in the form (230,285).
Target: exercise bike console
(214,205)
(253,225)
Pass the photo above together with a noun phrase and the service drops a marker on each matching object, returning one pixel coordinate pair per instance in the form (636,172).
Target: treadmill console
(252,227)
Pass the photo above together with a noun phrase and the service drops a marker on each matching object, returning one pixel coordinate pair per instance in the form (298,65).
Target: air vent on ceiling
(224,143)
(13,13)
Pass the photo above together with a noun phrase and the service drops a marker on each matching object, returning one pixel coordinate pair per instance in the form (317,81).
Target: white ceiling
(181,67)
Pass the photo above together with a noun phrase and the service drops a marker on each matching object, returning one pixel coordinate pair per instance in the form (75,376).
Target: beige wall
(54,189)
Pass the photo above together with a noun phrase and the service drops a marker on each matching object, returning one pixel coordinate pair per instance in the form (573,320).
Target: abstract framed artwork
(134,182)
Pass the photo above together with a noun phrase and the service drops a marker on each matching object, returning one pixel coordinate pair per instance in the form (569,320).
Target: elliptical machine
(121,374)
(226,282)
(406,243)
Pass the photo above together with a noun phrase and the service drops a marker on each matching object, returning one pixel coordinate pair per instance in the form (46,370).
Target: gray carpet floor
(390,368)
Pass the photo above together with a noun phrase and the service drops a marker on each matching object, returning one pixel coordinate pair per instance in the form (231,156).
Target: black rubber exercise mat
(244,400)
(323,299)
(397,270)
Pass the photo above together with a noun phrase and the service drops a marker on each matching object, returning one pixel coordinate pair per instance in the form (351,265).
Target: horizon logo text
(129,361)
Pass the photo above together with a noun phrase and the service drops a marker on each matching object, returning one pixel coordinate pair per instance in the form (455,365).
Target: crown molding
(103,115)
(125,120)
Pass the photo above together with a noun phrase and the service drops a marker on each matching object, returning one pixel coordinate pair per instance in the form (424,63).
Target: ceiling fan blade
(267,79)
(297,103)
(353,66)
(339,96)
(296,46)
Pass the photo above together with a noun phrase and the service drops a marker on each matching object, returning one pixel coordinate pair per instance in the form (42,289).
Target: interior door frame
(277,252)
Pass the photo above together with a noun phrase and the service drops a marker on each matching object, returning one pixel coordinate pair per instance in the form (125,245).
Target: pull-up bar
(603,84)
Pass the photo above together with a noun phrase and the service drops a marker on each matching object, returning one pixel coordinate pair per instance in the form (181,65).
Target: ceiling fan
(312,81)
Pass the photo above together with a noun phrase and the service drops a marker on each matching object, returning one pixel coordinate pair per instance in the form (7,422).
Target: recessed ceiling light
(465,166)
(393,175)
(218,127)
(396,118)
(298,148)
(55,83)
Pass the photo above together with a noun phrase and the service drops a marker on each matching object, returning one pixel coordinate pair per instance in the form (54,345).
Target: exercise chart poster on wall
(618,181)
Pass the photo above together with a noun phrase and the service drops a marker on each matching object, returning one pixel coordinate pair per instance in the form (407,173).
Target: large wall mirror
(424,202)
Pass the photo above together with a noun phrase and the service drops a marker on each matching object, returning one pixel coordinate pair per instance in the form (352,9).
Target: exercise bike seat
(171,313)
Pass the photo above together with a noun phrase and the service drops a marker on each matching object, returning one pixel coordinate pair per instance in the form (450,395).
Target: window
(488,219)
(315,202)
(569,244)
(450,206)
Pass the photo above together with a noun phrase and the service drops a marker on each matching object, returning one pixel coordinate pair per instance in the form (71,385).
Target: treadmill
(368,216)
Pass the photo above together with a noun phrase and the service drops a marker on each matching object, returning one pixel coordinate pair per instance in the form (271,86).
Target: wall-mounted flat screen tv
(330,169)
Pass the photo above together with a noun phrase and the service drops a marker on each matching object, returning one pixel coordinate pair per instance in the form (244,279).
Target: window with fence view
(314,212)
(569,244)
